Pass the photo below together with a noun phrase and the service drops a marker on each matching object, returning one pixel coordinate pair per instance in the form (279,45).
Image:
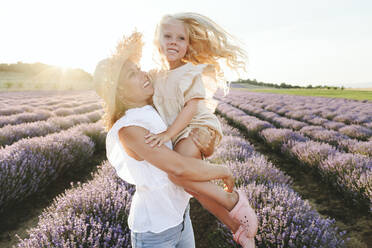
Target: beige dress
(175,87)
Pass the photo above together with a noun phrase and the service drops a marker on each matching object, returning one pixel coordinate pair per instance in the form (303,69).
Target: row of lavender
(30,162)
(333,113)
(9,107)
(266,186)
(95,214)
(339,138)
(30,165)
(350,173)
(17,108)
(12,133)
(37,96)
(41,115)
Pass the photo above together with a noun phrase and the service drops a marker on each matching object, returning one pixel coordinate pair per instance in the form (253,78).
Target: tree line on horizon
(284,85)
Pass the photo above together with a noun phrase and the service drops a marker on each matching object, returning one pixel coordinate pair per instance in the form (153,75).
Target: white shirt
(158,204)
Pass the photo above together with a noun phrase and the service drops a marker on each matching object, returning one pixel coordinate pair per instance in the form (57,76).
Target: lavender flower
(285,220)
(12,133)
(25,117)
(311,152)
(277,137)
(357,131)
(93,214)
(350,173)
(29,165)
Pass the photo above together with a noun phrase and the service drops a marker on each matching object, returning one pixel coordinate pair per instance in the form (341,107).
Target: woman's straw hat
(107,72)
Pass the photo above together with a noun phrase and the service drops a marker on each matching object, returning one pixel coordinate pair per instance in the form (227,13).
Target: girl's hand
(229,182)
(157,139)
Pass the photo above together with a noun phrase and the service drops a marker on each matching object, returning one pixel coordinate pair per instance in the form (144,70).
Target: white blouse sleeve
(126,167)
(140,173)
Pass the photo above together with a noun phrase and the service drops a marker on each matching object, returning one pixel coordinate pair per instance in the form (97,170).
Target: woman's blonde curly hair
(208,43)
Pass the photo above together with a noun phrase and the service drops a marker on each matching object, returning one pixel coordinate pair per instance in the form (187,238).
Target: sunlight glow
(293,42)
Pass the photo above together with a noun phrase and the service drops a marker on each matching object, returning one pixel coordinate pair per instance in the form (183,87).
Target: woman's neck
(138,105)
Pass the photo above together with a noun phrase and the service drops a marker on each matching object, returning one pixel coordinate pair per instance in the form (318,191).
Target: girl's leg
(201,190)
(212,197)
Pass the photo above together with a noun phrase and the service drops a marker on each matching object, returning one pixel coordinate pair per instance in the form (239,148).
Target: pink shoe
(241,238)
(245,215)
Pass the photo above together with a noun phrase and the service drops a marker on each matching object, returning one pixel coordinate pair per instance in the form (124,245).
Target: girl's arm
(181,121)
(187,168)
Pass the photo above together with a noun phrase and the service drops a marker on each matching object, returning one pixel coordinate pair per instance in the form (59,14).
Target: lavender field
(304,163)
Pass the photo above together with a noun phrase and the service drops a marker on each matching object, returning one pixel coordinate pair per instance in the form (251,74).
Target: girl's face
(134,86)
(174,42)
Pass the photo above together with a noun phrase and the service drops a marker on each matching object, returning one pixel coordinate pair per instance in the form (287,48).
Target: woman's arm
(181,121)
(132,137)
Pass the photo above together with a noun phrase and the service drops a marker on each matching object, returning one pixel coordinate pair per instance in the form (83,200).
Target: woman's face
(134,85)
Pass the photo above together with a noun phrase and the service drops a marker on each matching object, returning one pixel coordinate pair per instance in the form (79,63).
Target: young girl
(190,46)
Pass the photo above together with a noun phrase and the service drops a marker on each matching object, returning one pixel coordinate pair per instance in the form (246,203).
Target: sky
(299,42)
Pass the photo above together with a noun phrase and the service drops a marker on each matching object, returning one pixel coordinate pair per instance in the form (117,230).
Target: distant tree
(8,84)
(282,85)
(38,85)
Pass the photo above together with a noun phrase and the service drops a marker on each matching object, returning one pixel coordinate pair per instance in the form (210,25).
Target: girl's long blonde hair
(208,43)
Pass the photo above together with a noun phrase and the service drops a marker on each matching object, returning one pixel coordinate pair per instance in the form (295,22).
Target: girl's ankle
(234,197)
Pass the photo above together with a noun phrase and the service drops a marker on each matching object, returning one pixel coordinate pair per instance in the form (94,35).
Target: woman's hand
(203,141)
(157,139)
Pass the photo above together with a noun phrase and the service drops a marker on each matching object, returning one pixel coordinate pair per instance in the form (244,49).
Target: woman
(159,213)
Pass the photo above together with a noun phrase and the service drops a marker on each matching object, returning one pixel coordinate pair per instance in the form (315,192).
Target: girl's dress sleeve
(199,82)
(126,167)
(195,89)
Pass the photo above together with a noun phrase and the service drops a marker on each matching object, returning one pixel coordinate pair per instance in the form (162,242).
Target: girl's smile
(174,42)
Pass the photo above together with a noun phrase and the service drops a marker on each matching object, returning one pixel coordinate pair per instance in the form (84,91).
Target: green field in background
(346,93)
